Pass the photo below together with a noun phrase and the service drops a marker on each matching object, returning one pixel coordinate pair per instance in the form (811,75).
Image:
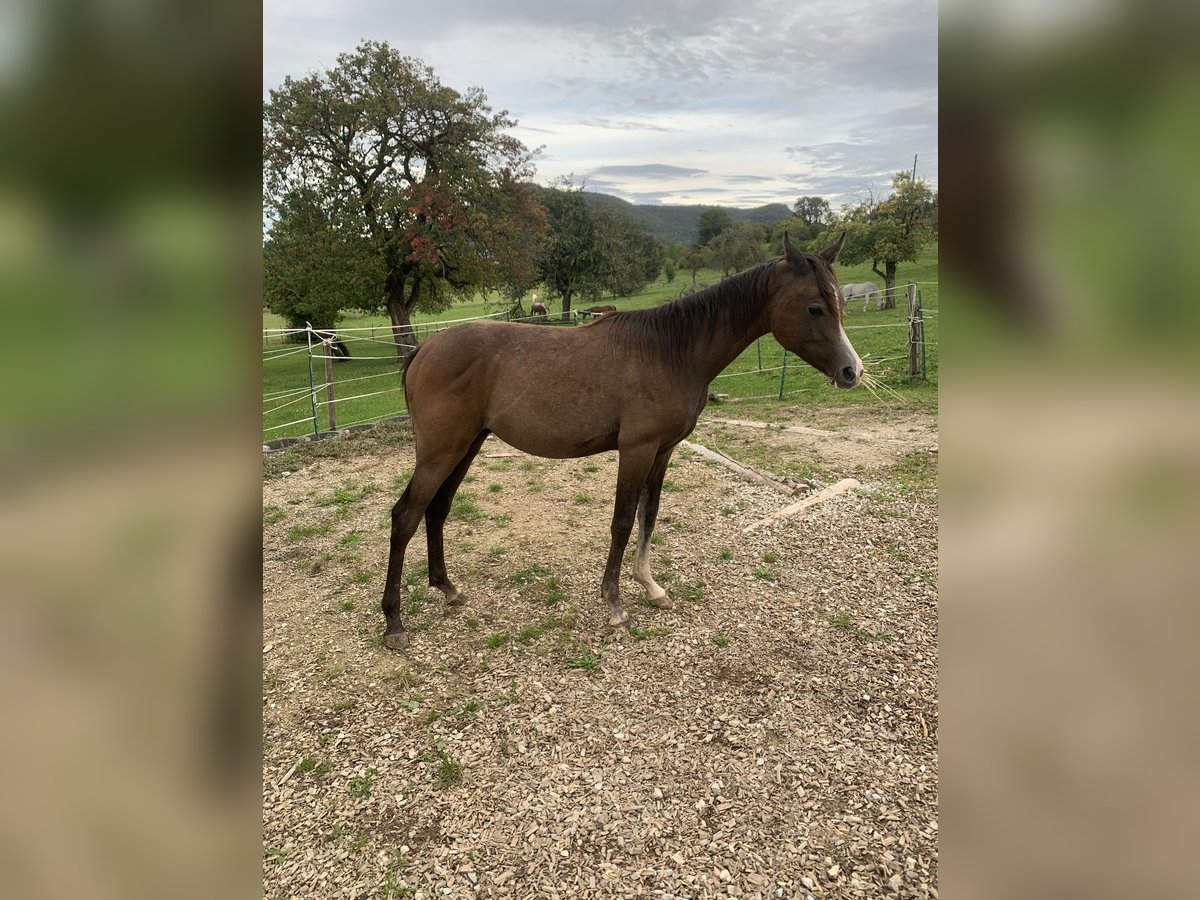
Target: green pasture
(754,378)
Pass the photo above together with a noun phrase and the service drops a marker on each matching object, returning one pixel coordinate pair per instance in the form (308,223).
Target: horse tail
(404,373)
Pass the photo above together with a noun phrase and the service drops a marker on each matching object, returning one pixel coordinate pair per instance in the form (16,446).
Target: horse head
(805,313)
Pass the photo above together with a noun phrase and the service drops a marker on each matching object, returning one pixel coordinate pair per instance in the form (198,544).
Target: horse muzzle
(847,376)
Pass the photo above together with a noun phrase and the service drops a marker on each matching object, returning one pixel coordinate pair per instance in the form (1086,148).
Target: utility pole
(914,172)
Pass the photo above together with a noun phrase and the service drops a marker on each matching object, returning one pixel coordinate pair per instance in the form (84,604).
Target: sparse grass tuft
(347,494)
(583,498)
(725,555)
(273,514)
(495,487)
(300,532)
(528,575)
(720,639)
(360,786)
(449,773)
(465,509)
(841,620)
(351,539)
(770,557)
(653,631)
(496,639)
(586,660)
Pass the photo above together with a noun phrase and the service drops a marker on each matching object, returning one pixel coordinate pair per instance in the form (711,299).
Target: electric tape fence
(304,387)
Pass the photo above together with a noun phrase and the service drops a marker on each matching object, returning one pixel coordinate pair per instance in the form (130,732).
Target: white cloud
(770,99)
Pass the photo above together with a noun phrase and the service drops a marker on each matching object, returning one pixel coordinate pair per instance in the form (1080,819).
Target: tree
(737,248)
(590,250)
(813,211)
(712,222)
(890,231)
(797,229)
(427,177)
(696,259)
(313,268)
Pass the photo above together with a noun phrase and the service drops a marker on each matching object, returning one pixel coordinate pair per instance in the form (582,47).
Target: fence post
(783,374)
(921,323)
(758,344)
(913,360)
(328,346)
(312,388)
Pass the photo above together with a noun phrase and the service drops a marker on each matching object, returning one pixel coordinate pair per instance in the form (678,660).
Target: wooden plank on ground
(820,497)
(732,464)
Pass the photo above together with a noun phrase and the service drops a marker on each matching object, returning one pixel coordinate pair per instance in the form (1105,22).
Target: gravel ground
(773,735)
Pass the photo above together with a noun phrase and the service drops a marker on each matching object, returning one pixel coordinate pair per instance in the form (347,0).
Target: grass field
(367,386)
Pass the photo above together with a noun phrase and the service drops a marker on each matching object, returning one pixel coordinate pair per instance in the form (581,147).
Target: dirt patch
(775,734)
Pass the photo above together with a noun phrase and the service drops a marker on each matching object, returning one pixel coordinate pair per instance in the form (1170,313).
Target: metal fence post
(913,359)
(783,374)
(312,388)
(758,344)
(921,321)
(327,344)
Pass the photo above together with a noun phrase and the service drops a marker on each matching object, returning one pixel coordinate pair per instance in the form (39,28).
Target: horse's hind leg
(632,469)
(428,477)
(647,514)
(435,520)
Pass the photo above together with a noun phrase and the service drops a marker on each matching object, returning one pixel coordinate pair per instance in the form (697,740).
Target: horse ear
(830,253)
(794,256)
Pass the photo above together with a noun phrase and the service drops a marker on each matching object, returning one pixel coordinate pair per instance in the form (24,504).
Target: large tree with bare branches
(429,178)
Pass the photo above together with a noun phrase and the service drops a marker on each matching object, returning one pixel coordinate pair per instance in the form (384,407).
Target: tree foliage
(427,177)
(712,222)
(812,211)
(592,250)
(738,248)
(890,231)
(314,267)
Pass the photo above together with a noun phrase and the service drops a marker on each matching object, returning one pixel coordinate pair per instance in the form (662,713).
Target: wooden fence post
(328,345)
(783,374)
(914,370)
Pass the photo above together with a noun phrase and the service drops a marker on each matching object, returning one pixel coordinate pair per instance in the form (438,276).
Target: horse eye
(815,310)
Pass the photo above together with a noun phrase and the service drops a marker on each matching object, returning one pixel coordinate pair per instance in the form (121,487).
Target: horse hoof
(457,600)
(663,602)
(397,640)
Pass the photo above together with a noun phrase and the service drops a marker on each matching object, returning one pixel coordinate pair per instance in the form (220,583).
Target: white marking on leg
(643,576)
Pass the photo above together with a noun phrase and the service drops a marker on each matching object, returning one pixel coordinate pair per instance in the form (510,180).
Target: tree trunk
(400,310)
(566,303)
(889,282)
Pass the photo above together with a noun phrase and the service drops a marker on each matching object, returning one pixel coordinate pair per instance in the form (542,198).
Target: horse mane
(730,306)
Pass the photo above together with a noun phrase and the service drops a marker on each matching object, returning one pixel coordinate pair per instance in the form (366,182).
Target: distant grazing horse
(337,347)
(535,387)
(597,311)
(864,289)
(538,309)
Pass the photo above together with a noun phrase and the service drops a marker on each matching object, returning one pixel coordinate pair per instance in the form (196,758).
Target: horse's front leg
(632,470)
(647,514)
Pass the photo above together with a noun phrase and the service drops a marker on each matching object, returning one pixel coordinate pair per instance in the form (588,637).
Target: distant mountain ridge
(678,223)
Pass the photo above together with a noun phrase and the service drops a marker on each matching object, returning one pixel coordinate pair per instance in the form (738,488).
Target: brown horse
(598,311)
(534,387)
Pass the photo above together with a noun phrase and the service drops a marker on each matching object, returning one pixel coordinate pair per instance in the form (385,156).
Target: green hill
(678,223)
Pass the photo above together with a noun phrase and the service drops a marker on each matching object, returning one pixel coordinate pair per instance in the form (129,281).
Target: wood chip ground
(773,735)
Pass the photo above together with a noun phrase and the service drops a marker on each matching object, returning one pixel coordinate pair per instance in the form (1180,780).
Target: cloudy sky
(730,102)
